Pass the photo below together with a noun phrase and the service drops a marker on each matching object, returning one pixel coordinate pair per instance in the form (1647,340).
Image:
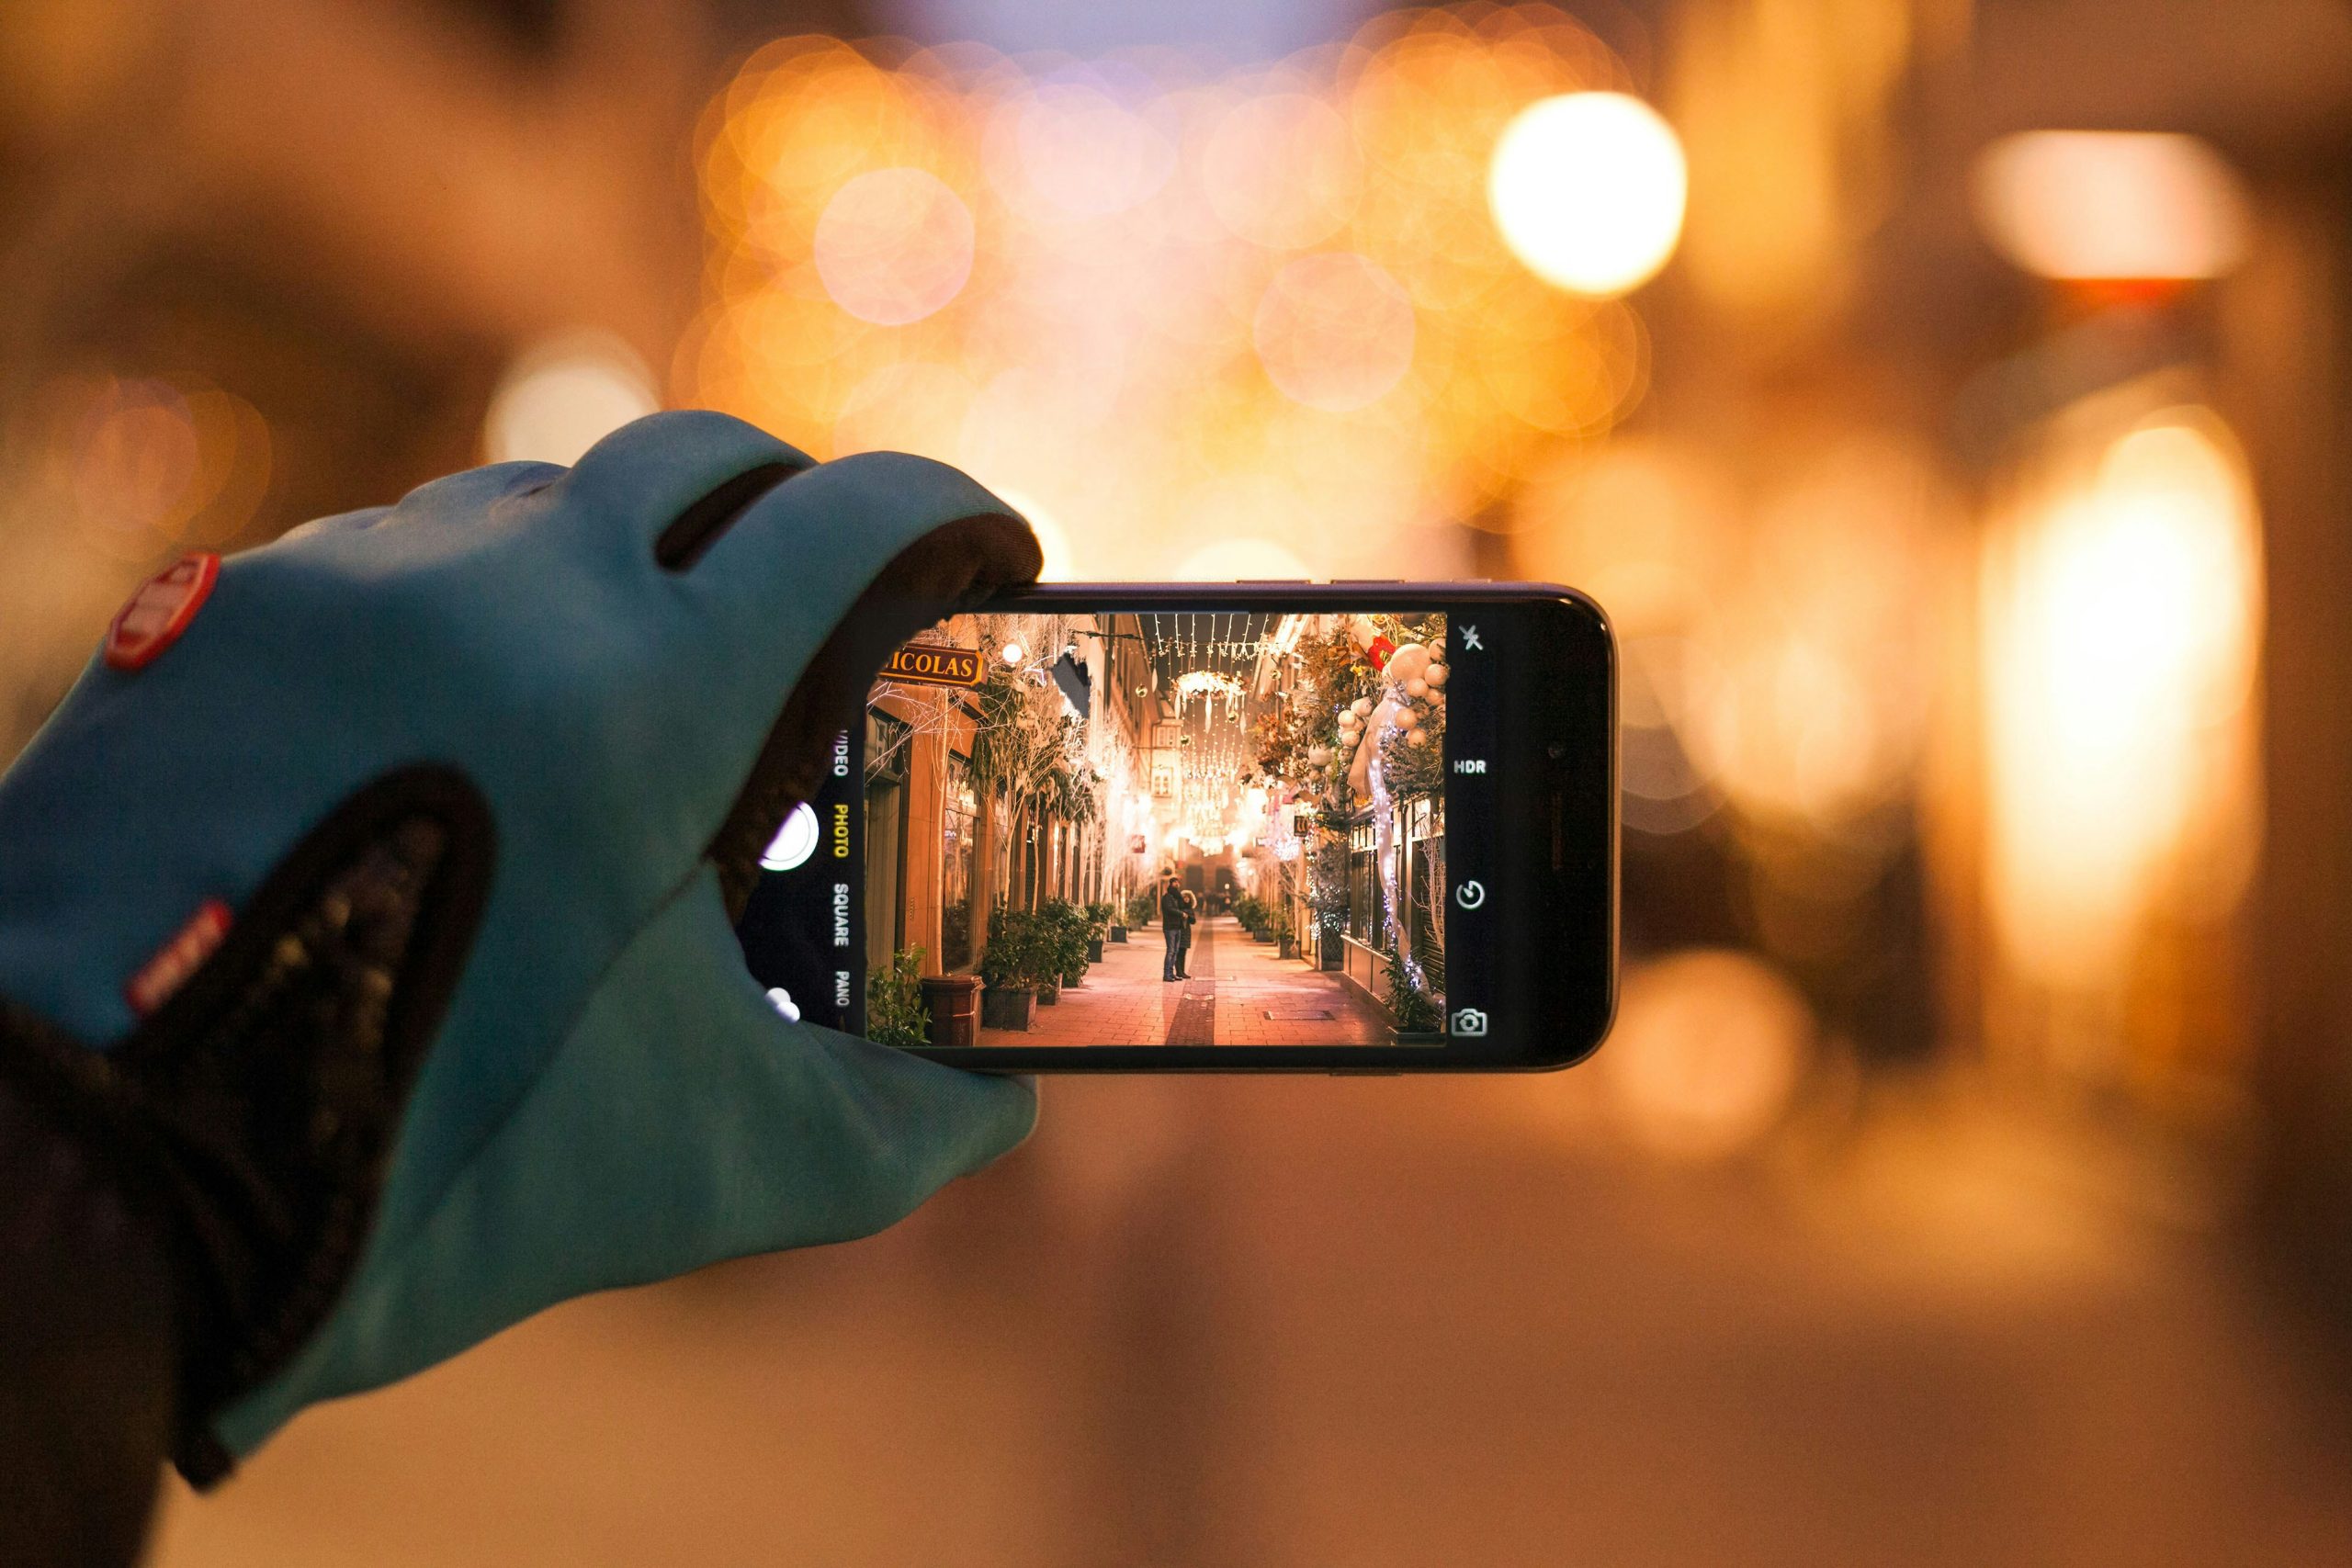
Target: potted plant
(1008,968)
(1098,931)
(1044,961)
(1418,1021)
(953,1002)
(1044,948)
(1251,912)
(1064,929)
(895,1014)
(1285,936)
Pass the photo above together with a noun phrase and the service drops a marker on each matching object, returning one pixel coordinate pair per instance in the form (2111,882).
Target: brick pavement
(1236,983)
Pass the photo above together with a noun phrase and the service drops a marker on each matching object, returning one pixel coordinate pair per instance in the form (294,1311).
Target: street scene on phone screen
(1165,827)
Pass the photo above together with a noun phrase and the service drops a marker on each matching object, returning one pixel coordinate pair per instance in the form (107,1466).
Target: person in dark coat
(1175,929)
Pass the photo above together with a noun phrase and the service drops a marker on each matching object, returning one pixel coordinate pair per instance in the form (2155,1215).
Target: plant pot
(1049,995)
(1008,1007)
(1119,935)
(1073,976)
(954,1003)
(1094,950)
(1290,947)
(1330,952)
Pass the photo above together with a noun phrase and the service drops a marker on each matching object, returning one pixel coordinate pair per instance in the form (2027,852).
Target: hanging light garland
(1208,685)
(1213,656)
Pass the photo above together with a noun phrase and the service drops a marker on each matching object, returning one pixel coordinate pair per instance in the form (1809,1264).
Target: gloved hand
(367,910)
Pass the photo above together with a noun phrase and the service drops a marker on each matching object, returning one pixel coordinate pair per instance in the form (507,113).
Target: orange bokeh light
(1120,289)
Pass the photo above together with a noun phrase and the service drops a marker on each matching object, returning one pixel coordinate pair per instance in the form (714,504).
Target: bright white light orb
(1011,652)
(563,396)
(1588,190)
(794,842)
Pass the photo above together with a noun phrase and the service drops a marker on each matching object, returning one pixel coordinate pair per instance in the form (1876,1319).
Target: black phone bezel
(1555,829)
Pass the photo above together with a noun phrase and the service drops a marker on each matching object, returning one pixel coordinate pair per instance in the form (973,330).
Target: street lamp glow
(564,396)
(1588,190)
(1010,653)
(2111,204)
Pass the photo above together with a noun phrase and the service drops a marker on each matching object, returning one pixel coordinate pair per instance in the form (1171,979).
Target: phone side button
(1363,1072)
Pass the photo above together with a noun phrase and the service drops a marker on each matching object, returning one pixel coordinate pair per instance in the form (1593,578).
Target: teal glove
(375,916)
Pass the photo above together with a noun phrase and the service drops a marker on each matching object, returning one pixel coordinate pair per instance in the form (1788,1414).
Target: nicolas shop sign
(934,664)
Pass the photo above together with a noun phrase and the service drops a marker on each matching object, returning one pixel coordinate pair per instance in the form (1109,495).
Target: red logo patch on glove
(178,958)
(159,611)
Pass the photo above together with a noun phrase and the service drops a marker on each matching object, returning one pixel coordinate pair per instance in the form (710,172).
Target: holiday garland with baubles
(1366,718)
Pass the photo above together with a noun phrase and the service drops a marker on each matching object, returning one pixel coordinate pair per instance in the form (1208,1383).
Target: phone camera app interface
(1165,827)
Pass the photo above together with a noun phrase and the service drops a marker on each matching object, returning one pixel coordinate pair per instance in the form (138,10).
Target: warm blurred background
(1947,398)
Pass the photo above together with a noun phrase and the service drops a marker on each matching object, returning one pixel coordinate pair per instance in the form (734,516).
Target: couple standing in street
(1177,911)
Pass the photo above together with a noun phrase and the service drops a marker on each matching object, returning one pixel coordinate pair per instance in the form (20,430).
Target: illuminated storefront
(945,845)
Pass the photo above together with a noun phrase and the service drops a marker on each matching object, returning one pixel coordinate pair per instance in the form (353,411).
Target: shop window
(1427,909)
(1364,896)
(887,749)
(959,817)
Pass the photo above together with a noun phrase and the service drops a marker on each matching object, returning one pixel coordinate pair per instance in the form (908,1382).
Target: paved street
(1385,1323)
(1241,993)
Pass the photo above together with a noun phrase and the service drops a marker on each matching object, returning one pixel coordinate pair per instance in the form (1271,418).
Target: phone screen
(1160,827)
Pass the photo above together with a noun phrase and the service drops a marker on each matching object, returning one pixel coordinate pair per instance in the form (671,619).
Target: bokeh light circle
(144,467)
(909,405)
(1290,201)
(1334,331)
(1071,150)
(1710,1050)
(894,246)
(1588,190)
(563,396)
(1126,337)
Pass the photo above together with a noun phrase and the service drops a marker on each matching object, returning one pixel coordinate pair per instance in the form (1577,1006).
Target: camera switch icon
(1469,1021)
(1470,895)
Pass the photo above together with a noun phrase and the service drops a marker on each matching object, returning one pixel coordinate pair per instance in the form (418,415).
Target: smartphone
(1350,827)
